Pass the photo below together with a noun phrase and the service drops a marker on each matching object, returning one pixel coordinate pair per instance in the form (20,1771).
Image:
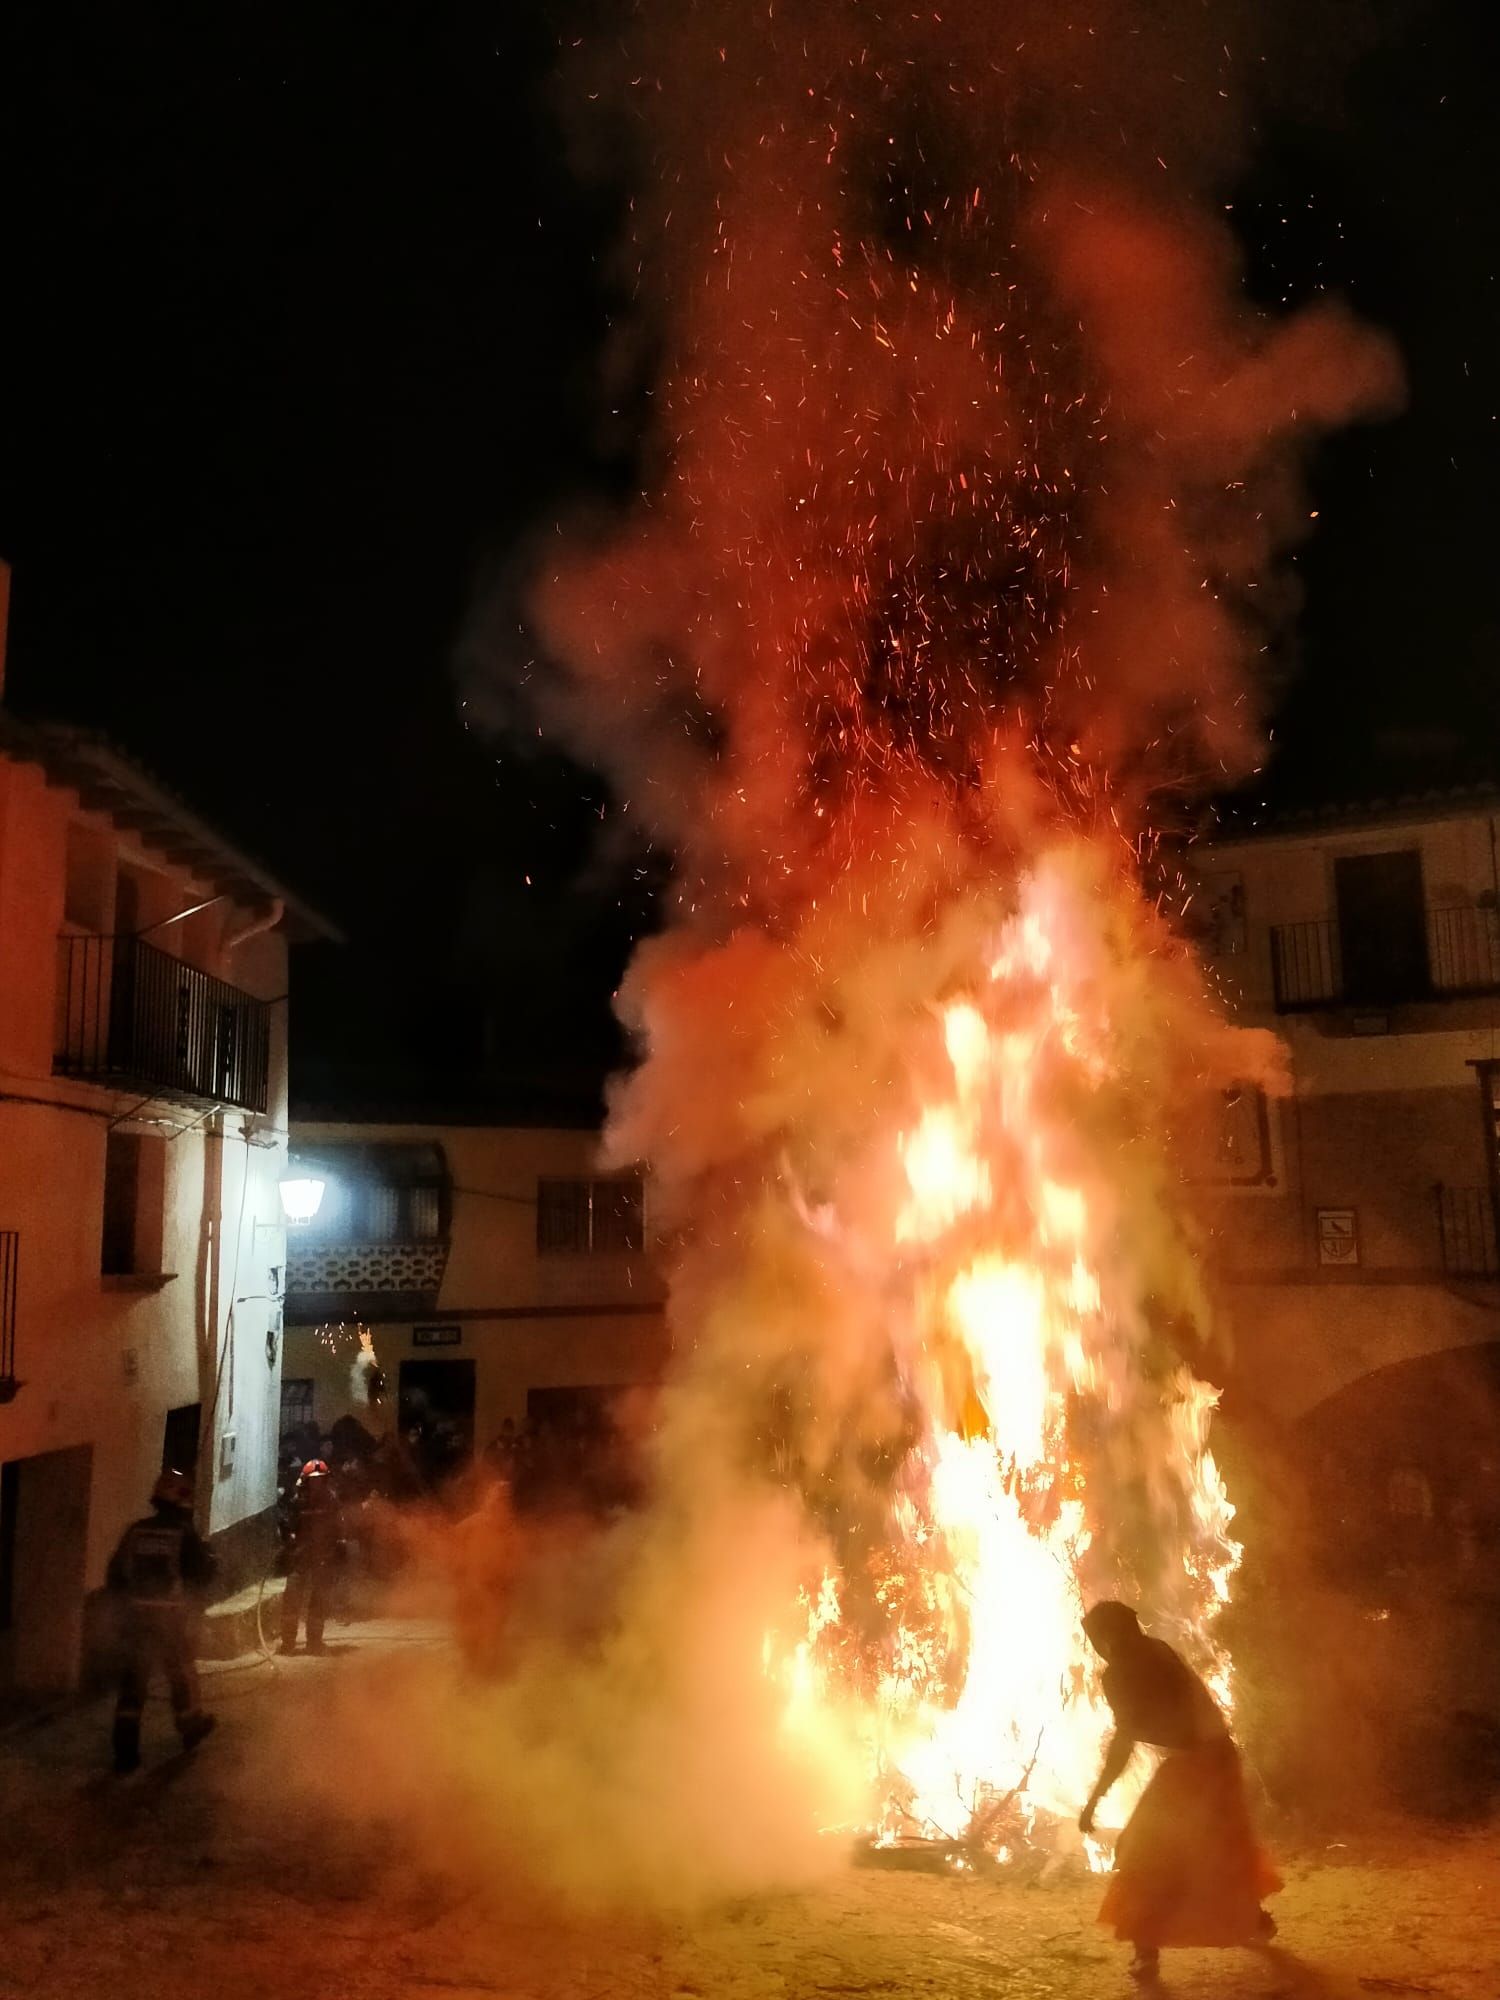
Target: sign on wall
(437,1336)
(1338,1236)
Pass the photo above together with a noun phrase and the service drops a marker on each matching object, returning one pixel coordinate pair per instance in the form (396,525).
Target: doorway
(1382,926)
(44,1516)
(179,1439)
(435,1404)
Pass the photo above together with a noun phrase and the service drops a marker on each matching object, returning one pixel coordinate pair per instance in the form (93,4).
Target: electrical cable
(493,1194)
(260,1628)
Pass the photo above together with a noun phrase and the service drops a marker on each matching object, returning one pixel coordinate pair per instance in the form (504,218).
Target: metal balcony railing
(10,1257)
(1305,965)
(1466,1229)
(1463,957)
(1463,949)
(131,1014)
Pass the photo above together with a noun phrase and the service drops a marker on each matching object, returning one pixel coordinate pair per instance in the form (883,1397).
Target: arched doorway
(1401,1478)
(1402,1470)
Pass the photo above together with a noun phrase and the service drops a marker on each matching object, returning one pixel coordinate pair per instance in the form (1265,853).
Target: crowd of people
(565,1462)
(361,1465)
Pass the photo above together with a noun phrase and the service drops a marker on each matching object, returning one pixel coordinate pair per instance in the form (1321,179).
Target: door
(43,1546)
(179,1439)
(1382,926)
(435,1403)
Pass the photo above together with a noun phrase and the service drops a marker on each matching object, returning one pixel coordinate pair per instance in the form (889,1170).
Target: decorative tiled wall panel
(367,1267)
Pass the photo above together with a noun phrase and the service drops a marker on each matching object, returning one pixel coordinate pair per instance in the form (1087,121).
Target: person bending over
(1188,1869)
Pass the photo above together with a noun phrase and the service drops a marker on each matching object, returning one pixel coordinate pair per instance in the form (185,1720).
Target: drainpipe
(209,1289)
(253,926)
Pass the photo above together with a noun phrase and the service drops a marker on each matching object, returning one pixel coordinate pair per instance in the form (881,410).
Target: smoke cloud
(971,463)
(958,540)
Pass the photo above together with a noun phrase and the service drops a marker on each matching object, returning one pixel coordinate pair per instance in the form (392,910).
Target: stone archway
(1297,1346)
(1406,1462)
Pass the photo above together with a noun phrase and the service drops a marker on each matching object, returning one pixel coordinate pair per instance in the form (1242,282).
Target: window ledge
(136,1281)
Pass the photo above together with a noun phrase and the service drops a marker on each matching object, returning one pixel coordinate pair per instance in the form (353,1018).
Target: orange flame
(1032,1199)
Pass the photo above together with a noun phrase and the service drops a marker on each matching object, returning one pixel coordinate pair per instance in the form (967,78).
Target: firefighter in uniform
(314,1537)
(159,1568)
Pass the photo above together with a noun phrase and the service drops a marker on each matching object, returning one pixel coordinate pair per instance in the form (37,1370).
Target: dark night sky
(300,315)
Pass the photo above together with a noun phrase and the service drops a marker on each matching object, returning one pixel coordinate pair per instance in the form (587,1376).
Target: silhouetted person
(1188,1870)
(349,1440)
(315,1531)
(501,1449)
(157,1572)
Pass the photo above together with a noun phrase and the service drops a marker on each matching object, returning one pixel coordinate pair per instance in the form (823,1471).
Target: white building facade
(143,1043)
(498,1272)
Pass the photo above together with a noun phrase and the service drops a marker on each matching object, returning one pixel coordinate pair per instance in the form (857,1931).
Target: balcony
(1466,1230)
(366,1281)
(378,1247)
(1461,957)
(10,1257)
(132,1016)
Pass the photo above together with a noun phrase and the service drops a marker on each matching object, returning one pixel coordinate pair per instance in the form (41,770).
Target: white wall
(102,1360)
(496,1281)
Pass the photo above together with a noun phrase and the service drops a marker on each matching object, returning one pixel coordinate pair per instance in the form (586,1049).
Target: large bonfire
(1057,1441)
(969,467)
(948,1300)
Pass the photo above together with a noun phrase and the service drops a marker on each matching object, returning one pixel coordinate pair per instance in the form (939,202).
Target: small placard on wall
(437,1336)
(1338,1236)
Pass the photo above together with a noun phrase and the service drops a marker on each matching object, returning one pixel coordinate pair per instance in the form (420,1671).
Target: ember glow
(969,474)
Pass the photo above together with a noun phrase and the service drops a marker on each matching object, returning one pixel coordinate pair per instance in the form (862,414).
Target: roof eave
(109,782)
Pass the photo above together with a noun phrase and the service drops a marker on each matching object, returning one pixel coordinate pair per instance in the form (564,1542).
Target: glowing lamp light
(301,1196)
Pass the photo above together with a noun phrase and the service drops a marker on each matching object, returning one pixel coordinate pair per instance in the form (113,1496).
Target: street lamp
(301,1196)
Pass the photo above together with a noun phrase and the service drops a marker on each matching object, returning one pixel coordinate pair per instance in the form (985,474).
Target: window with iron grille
(424,1212)
(617,1210)
(590,1217)
(394,1214)
(382,1193)
(562,1217)
(296,1403)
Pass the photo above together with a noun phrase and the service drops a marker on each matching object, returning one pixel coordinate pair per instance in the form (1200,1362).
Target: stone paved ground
(233,1873)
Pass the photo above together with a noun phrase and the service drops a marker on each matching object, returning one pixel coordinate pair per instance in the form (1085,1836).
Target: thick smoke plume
(956,547)
(971,463)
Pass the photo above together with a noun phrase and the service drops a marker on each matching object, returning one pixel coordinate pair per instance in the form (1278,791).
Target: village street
(257,1868)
